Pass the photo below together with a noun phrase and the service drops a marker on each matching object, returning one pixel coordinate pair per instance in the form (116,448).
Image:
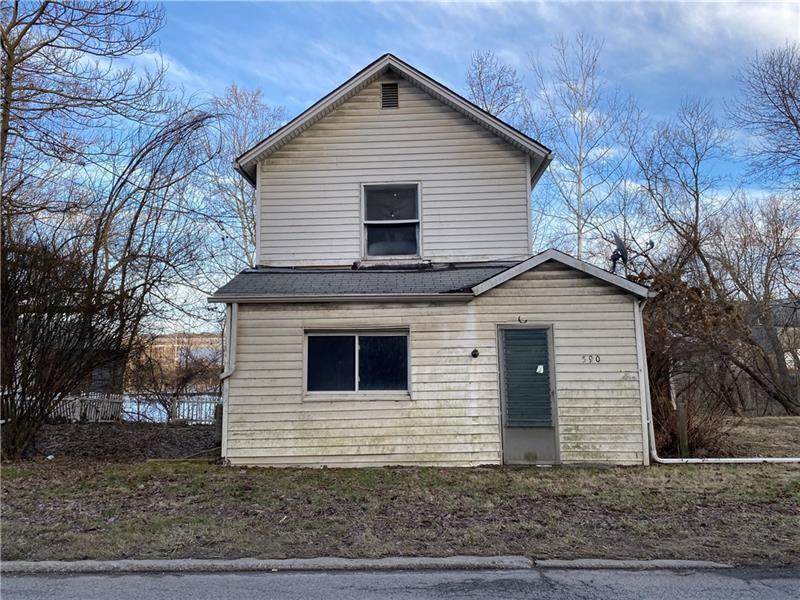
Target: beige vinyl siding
(474,185)
(453,415)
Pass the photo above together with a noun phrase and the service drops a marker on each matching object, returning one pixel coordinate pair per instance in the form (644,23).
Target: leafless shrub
(708,423)
(53,335)
(167,380)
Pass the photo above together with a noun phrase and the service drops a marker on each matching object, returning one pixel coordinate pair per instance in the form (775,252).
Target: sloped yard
(73,510)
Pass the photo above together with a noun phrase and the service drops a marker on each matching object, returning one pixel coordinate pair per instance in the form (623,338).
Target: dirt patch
(123,441)
(767,436)
(746,514)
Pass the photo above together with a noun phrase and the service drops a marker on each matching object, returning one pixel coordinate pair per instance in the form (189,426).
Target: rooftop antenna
(620,254)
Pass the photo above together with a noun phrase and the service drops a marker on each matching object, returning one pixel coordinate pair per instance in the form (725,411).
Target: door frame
(551,359)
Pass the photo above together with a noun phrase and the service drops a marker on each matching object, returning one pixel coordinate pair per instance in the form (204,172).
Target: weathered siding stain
(452,417)
(473,184)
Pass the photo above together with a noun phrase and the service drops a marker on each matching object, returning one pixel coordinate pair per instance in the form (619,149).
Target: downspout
(231,325)
(231,318)
(651,429)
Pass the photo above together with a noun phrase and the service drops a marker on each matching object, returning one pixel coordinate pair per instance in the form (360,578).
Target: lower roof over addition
(392,283)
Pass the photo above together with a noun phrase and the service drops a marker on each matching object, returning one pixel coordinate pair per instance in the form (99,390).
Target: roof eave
(248,174)
(533,262)
(536,174)
(249,157)
(278,299)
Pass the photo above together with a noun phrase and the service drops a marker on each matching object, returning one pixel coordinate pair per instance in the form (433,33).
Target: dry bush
(690,339)
(708,422)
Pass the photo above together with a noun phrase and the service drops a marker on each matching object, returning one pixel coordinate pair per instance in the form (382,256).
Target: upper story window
(391,220)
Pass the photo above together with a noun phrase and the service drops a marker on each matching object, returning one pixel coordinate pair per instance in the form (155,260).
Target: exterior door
(529,434)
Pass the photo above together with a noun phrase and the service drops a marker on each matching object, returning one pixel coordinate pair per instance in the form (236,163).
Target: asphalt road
(727,584)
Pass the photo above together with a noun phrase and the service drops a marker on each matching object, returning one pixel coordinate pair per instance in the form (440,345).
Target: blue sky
(297,52)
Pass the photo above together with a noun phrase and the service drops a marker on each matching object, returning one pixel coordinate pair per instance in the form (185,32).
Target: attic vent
(389,96)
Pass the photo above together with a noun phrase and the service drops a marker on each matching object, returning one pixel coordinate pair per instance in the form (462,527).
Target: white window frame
(395,394)
(364,223)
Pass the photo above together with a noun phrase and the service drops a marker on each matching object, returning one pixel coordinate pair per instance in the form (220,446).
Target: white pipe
(231,325)
(231,321)
(688,461)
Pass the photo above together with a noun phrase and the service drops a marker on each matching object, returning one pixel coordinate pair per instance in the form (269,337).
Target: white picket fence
(90,408)
(189,408)
(106,408)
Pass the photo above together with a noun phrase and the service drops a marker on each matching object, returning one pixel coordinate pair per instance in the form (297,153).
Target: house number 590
(591,358)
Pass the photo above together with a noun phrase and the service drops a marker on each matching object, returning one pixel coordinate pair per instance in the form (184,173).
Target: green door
(528,428)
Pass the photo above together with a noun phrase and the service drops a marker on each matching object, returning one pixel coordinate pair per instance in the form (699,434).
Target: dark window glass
(331,363)
(392,240)
(382,362)
(391,203)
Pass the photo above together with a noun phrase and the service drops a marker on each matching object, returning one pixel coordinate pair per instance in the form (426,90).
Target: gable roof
(439,282)
(540,154)
(565,259)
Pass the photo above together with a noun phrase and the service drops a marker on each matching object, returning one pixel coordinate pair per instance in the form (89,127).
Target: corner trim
(644,378)
(257,208)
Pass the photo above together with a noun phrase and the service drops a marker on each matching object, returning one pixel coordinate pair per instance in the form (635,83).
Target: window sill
(355,396)
(393,260)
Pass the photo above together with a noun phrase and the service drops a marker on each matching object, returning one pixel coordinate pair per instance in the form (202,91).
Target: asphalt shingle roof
(298,282)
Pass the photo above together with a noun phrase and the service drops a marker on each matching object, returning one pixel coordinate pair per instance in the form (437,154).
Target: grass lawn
(76,510)
(767,436)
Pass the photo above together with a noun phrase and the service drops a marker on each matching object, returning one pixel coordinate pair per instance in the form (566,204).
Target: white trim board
(564,259)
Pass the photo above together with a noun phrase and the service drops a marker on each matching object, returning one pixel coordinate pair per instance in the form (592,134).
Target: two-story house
(396,315)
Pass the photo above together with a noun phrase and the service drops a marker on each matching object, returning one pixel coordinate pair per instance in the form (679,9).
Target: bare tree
(77,291)
(768,108)
(677,175)
(66,76)
(494,86)
(586,125)
(757,253)
(726,262)
(98,198)
(244,119)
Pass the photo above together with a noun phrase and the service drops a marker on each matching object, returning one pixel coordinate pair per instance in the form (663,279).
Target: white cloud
(298,54)
(665,35)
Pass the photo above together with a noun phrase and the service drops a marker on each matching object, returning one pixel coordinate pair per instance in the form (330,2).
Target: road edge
(456,563)
(191,565)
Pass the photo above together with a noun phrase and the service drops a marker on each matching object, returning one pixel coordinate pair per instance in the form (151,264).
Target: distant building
(178,347)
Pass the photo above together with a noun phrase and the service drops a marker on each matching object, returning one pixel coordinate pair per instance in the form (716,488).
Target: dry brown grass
(767,436)
(73,510)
